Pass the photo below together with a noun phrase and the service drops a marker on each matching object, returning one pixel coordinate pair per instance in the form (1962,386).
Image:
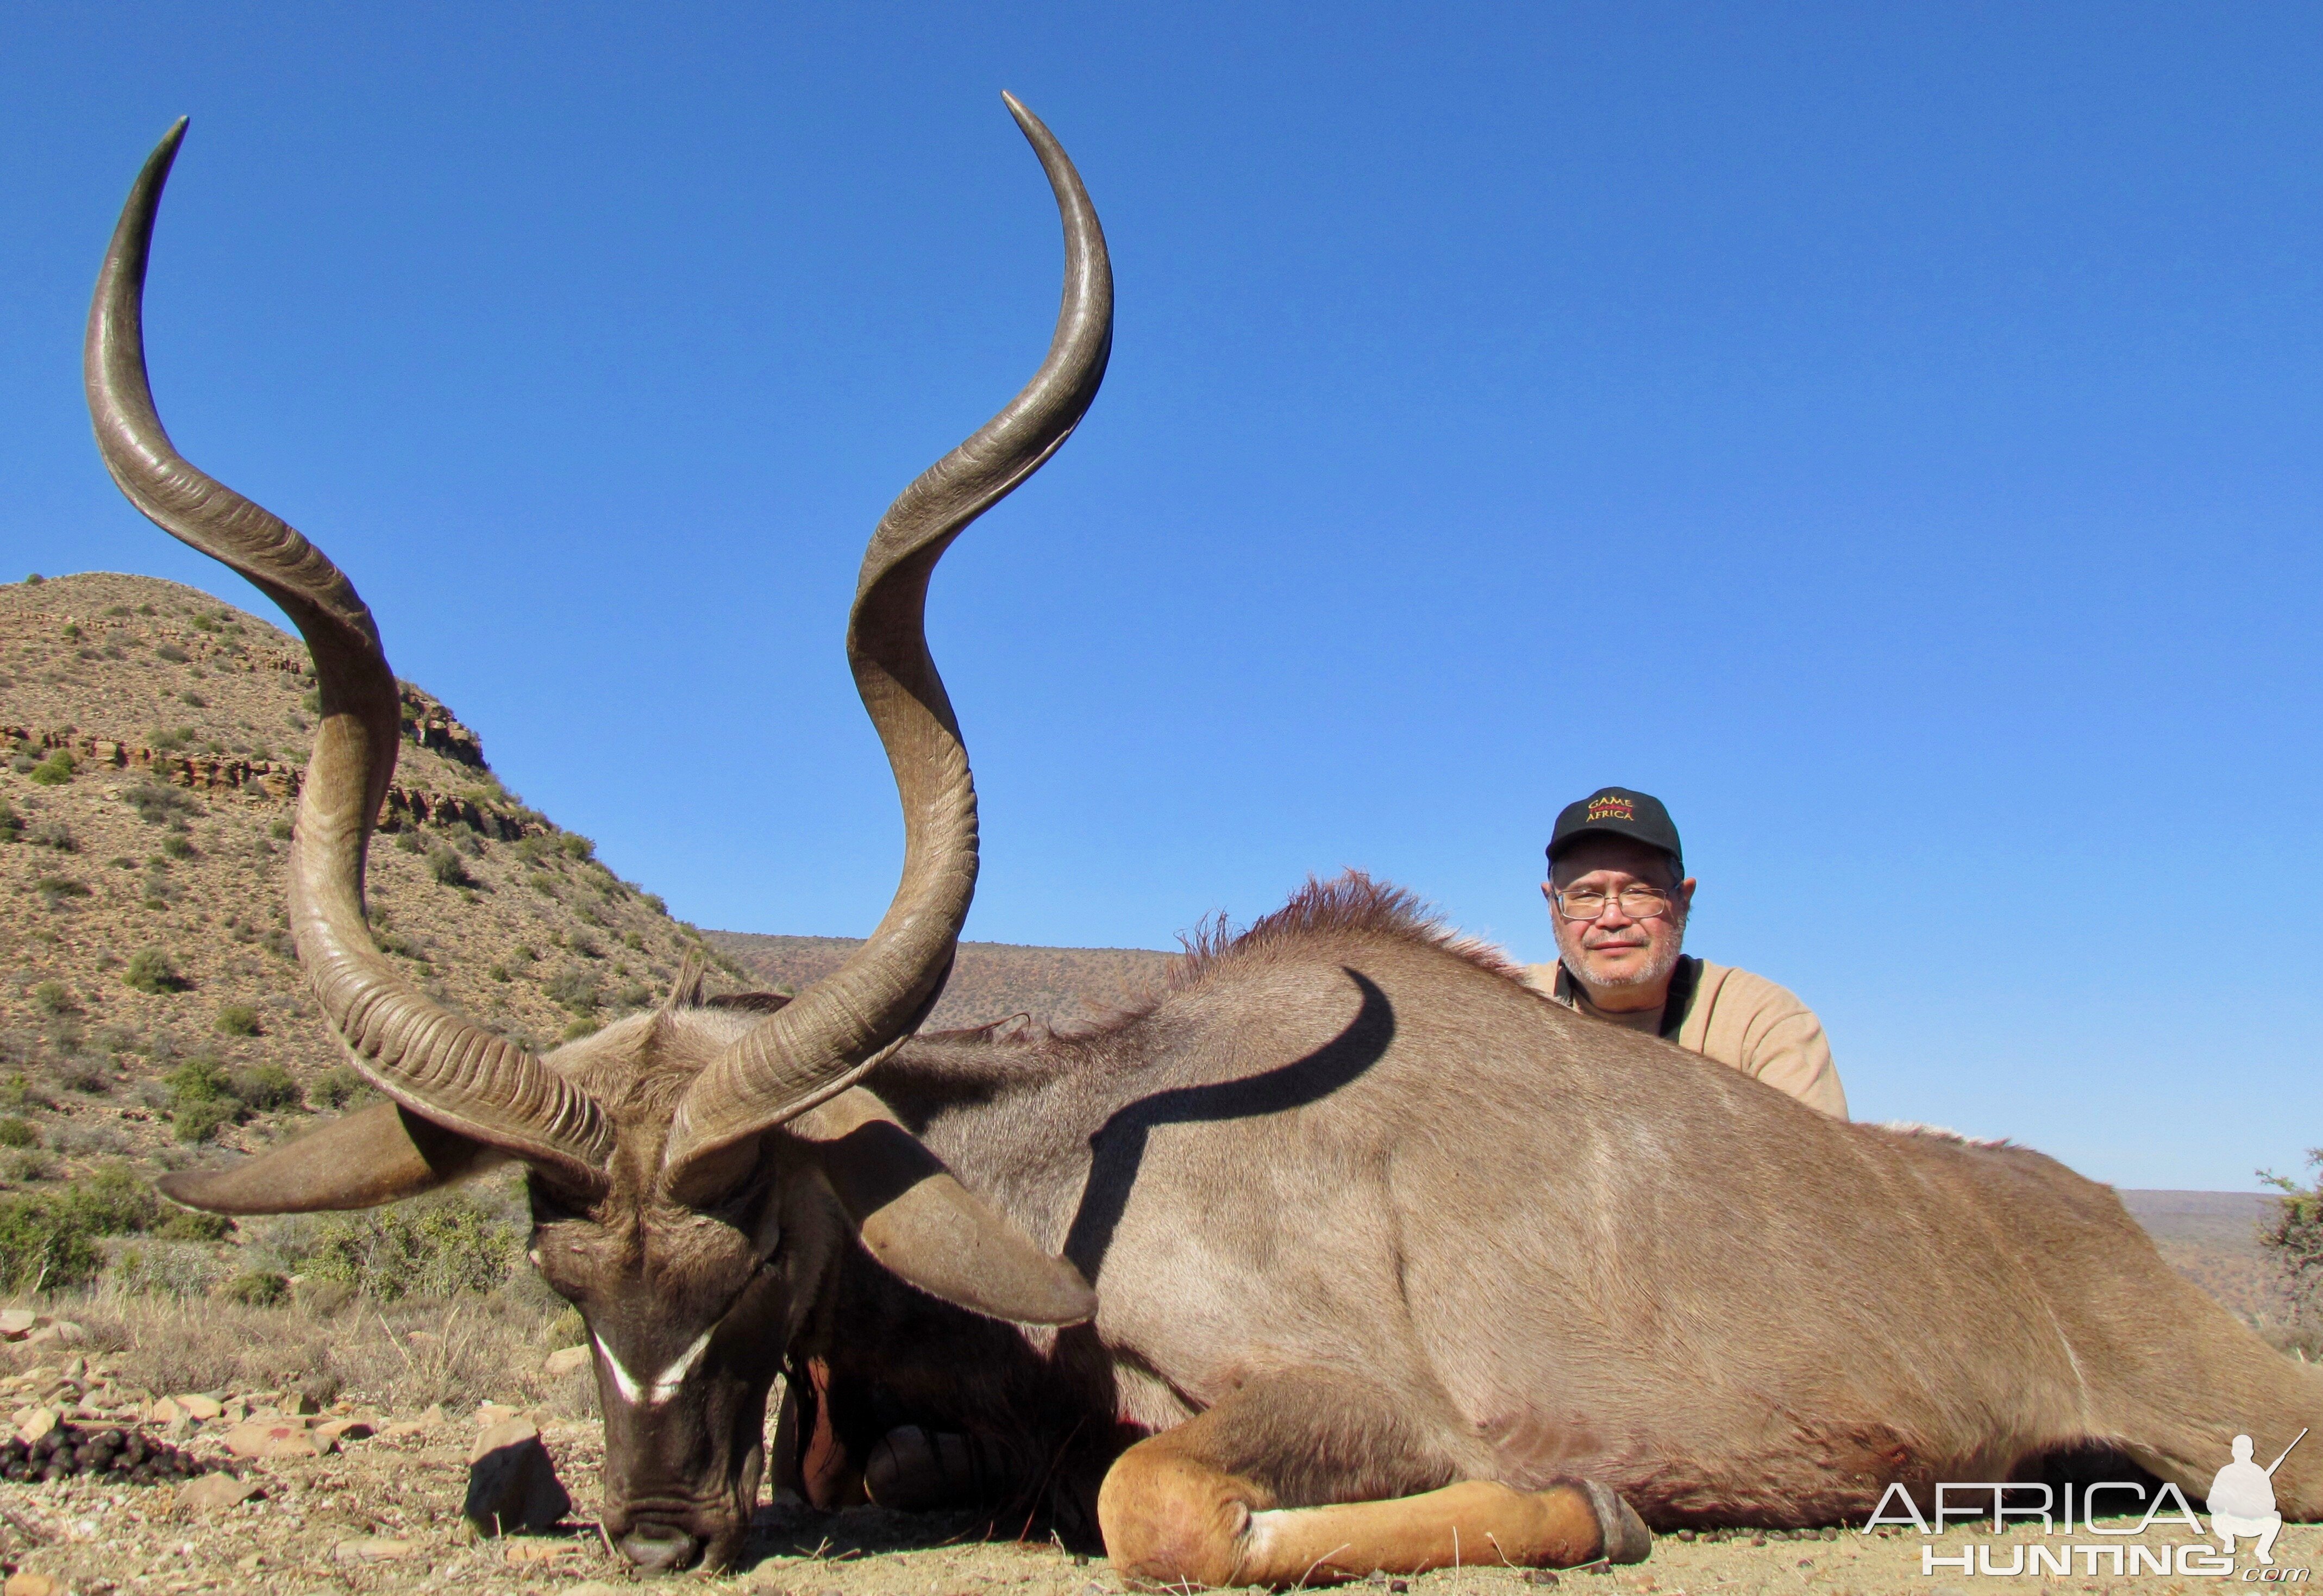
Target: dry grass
(401,1357)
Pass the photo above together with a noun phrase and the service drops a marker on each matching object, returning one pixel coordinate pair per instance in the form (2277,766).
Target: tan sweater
(1741,1020)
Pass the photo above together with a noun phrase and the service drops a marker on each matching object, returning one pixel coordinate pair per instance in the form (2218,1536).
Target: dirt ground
(383,1515)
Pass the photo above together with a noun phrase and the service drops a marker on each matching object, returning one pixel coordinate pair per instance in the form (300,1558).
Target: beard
(1661,961)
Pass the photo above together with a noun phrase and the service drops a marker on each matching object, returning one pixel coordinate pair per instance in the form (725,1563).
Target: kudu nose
(658,1547)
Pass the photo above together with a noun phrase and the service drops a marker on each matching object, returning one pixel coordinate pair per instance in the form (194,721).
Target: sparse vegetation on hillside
(151,1012)
(2295,1238)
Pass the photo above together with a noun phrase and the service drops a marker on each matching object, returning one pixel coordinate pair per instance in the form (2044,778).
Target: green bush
(448,869)
(12,824)
(339,1086)
(237,1019)
(49,1240)
(178,846)
(199,1079)
(170,652)
(437,1247)
(157,804)
(18,1132)
(190,1224)
(266,1088)
(576,846)
(197,1122)
(190,697)
(279,830)
(53,834)
(55,889)
(256,1288)
(55,770)
(153,971)
(407,841)
(54,998)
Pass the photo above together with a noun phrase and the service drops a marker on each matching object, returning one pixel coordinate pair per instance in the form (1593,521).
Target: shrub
(55,889)
(176,846)
(499,972)
(237,1019)
(407,841)
(34,580)
(448,869)
(2296,1237)
(49,1240)
(653,901)
(266,1088)
(199,1079)
(206,623)
(55,770)
(54,998)
(153,971)
(170,652)
(197,1122)
(71,633)
(156,805)
(279,830)
(436,1247)
(576,846)
(190,697)
(18,1132)
(256,1288)
(190,1224)
(339,1086)
(574,988)
(168,1267)
(12,824)
(53,834)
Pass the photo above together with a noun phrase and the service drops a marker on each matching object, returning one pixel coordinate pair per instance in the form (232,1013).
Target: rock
(203,1408)
(599,1588)
(565,1361)
(346,1429)
(301,1403)
(490,1414)
(371,1549)
(62,1331)
(283,1438)
(32,1584)
(32,1423)
(17,1323)
(211,1491)
(512,1485)
(163,1411)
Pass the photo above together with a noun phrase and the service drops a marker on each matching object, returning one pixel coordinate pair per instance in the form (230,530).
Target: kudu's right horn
(842,1026)
(452,1073)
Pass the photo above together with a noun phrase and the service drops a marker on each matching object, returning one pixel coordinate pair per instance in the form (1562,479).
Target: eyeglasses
(1588,902)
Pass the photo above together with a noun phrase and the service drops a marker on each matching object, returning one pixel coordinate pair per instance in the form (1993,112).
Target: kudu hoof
(1626,1538)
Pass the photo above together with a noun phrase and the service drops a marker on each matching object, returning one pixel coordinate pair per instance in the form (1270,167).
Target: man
(1617,894)
(2241,1501)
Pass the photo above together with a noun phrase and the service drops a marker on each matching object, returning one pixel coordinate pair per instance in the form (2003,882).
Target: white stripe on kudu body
(663,1388)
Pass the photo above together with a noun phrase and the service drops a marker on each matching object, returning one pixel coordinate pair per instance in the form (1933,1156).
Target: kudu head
(694,1172)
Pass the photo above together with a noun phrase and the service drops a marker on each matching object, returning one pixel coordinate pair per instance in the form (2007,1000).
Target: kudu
(1398,1263)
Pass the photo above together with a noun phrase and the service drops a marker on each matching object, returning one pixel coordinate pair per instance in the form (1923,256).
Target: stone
(372,1548)
(512,1485)
(599,1588)
(212,1492)
(163,1411)
(346,1429)
(492,1414)
(283,1438)
(32,1584)
(32,1423)
(301,1403)
(17,1323)
(565,1361)
(199,1406)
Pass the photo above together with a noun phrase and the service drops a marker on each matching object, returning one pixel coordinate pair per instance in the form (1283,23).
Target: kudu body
(1396,1263)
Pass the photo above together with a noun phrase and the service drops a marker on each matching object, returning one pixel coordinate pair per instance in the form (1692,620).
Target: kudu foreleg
(1281,1484)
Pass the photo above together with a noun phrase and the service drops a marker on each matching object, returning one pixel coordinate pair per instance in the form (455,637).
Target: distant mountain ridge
(1059,987)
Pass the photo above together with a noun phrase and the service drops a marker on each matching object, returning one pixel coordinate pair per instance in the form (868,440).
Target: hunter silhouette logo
(1607,807)
(2242,1500)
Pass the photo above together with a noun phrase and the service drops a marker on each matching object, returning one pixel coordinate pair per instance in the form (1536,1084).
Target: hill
(149,999)
(989,980)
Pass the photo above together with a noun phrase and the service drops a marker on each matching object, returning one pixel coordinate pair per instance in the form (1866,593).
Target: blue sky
(1886,433)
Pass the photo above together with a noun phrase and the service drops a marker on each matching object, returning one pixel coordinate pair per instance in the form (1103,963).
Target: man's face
(1618,950)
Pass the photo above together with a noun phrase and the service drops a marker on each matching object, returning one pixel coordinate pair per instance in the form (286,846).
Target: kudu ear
(372,1157)
(925,1227)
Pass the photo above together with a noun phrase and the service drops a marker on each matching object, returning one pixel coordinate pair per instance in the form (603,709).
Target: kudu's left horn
(842,1026)
(455,1074)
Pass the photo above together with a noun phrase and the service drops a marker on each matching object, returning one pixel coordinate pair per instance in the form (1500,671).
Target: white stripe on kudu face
(664,1386)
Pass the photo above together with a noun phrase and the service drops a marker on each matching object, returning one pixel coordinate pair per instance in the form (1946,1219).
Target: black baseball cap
(1620,813)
